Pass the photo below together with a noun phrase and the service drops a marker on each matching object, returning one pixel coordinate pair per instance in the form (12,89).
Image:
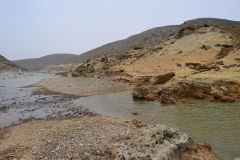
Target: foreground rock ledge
(98,137)
(163,143)
(156,142)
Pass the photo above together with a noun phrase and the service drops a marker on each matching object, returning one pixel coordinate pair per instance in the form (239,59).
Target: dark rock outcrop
(205,47)
(204,67)
(160,79)
(226,99)
(185,89)
(154,80)
(113,73)
(231,65)
(225,91)
(225,49)
(100,65)
(143,92)
(195,151)
(237,59)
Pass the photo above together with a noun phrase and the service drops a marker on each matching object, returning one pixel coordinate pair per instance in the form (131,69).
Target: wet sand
(82,86)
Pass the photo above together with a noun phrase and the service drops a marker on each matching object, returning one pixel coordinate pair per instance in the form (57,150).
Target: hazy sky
(34,28)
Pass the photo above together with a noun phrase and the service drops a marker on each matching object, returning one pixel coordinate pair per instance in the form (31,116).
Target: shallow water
(18,103)
(215,123)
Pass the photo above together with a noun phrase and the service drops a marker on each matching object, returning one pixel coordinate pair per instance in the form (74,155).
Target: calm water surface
(215,123)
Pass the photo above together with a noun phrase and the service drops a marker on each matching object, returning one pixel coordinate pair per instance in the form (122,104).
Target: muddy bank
(96,137)
(82,86)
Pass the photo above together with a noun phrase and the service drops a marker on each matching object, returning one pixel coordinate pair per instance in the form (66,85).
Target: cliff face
(6,65)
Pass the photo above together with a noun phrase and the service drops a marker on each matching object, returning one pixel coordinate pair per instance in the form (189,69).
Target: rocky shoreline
(91,136)
(98,137)
(220,90)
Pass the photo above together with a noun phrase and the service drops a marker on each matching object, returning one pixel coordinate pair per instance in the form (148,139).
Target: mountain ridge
(155,35)
(151,36)
(37,64)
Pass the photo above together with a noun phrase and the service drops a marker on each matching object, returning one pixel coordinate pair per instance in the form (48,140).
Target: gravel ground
(88,137)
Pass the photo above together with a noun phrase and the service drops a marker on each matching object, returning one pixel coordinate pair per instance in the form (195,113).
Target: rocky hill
(6,65)
(154,35)
(37,64)
(200,59)
(149,37)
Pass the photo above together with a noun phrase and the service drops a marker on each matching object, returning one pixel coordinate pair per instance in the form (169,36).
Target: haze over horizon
(32,29)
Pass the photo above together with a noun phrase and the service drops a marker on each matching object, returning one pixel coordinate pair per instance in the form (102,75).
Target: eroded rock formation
(164,143)
(224,91)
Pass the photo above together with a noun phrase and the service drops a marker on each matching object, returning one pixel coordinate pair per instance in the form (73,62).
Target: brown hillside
(200,61)
(37,64)
(6,65)
(155,35)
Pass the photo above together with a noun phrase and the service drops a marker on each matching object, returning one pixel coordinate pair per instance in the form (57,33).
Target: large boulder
(227,99)
(194,89)
(168,94)
(155,142)
(160,79)
(221,90)
(196,151)
(144,92)
(154,80)
(160,142)
(186,88)
(168,99)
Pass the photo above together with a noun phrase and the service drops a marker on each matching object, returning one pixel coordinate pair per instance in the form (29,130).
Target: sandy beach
(82,86)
